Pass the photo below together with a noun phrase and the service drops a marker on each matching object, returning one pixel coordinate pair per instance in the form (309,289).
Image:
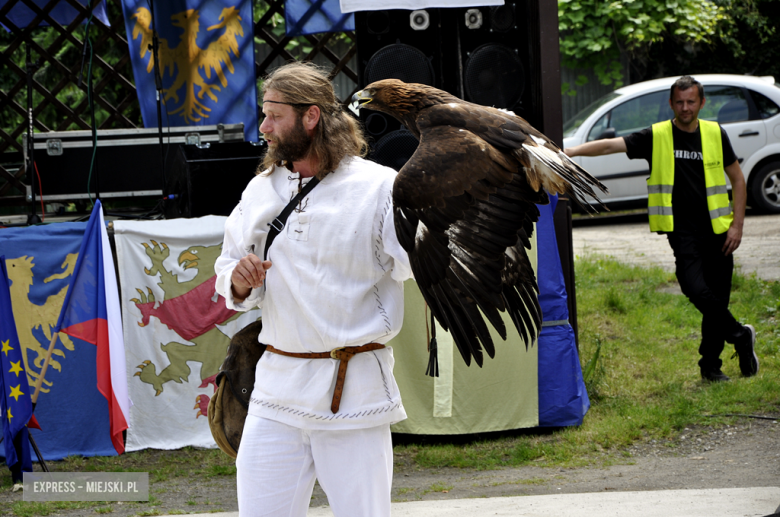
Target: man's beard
(291,147)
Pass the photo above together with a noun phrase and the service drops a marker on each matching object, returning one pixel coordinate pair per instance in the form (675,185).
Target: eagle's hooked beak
(361,98)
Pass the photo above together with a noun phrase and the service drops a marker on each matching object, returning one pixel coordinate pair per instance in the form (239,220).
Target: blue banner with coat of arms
(206,62)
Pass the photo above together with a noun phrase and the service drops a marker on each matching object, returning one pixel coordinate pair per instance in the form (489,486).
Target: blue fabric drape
(563,399)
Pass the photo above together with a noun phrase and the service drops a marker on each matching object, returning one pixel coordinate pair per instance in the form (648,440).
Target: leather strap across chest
(343,354)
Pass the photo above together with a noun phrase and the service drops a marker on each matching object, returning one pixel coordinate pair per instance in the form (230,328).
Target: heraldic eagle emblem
(186,60)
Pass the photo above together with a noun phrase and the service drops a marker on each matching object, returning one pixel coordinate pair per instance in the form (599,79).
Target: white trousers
(277,465)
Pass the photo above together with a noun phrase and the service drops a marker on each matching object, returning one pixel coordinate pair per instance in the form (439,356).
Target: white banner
(176,327)
(349,6)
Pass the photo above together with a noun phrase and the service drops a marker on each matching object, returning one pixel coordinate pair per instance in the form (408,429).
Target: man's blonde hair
(337,134)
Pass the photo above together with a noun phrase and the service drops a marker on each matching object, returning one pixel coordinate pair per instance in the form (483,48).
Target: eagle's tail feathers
(557,173)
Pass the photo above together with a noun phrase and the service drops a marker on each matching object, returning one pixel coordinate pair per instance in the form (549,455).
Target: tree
(749,44)
(594,33)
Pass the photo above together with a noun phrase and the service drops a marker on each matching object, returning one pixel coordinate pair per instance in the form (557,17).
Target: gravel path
(743,455)
(633,242)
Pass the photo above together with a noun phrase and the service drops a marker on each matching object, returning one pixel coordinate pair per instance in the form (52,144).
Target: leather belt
(343,354)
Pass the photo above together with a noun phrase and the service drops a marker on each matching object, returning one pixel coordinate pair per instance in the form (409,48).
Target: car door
(626,179)
(728,106)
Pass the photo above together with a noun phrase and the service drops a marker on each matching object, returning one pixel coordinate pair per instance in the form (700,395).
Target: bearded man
(333,280)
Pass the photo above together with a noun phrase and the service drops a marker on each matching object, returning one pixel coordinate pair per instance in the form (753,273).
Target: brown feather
(466,201)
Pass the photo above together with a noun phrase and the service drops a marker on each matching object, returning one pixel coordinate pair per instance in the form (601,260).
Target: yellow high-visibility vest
(661,181)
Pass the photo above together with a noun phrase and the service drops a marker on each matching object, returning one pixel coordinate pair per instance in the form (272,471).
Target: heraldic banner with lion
(176,327)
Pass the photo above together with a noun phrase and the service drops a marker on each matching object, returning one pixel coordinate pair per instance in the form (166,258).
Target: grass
(638,348)
(197,464)
(438,487)
(181,463)
(29,509)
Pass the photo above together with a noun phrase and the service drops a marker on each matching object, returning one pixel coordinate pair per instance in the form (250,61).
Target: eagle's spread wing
(465,205)
(459,227)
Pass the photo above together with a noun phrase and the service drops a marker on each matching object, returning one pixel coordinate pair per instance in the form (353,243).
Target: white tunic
(336,280)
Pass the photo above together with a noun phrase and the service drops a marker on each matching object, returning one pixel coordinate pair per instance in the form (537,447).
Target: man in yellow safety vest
(688,201)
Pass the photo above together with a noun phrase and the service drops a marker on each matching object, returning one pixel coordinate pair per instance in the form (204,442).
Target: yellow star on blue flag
(16,368)
(15,402)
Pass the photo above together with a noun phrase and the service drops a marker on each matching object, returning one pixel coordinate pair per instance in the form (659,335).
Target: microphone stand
(159,88)
(32,218)
(93,167)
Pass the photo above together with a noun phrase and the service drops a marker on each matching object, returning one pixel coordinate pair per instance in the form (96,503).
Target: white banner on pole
(176,327)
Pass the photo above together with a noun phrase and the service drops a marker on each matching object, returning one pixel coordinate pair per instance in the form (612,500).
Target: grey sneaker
(748,360)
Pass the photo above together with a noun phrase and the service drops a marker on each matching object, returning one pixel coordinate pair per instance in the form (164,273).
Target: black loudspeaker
(405,45)
(495,56)
(209,180)
(503,56)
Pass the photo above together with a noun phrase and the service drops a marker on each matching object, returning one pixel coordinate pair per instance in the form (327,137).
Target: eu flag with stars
(205,58)
(15,403)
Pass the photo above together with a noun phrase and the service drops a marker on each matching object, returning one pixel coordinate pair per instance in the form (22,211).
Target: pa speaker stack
(209,179)
(504,56)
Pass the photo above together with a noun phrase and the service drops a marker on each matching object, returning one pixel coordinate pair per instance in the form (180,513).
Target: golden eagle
(465,205)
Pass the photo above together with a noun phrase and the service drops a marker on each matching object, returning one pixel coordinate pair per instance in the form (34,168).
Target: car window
(766,107)
(573,124)
(635,115)
(724,104)
(599,127)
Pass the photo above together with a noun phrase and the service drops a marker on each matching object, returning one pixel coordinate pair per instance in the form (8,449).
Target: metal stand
(41,462)
(30,164)
(159,88)
(37,452)
(93,165)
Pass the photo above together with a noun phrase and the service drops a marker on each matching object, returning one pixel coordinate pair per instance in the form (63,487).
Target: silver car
(747,107)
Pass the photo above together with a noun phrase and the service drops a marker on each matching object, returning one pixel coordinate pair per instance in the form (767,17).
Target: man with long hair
(331,291)
(688,201)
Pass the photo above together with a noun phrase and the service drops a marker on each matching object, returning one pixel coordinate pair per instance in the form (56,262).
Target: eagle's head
(398,98)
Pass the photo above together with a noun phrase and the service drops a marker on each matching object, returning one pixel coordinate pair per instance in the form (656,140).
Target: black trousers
(704,274)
